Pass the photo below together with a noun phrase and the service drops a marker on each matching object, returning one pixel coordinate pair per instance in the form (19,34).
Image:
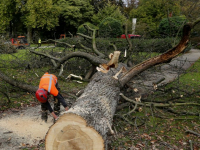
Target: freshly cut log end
(71,132)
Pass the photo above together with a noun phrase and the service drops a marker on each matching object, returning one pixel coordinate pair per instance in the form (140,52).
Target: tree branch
(93,38)
(149,104)
(190,131)
(17,83)
(92,59)
(161,58)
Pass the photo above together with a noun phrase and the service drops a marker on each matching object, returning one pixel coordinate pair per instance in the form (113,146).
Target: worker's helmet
(41,95)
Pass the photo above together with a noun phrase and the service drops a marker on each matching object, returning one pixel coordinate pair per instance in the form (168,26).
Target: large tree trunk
(29,35)
(86,124)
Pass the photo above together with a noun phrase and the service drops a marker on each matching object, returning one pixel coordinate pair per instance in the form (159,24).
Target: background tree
(38,14)
(172,26)
(110,10)
(152,11)
(75,13)
(190,8)
(110,27)
(129,5)
(8,16)
(98,4)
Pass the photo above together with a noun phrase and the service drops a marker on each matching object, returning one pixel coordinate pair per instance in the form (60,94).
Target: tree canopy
(6,13)
(38,13)
(76,12)
(44,14)
(61,16)
(152,11)
(109,10)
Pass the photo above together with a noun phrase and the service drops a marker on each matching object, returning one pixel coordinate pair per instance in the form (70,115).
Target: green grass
(193,76)
(18,55)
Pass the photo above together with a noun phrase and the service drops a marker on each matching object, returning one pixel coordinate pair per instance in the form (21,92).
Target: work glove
(54,120)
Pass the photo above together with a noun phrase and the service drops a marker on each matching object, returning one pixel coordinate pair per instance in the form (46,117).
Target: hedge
(139,45)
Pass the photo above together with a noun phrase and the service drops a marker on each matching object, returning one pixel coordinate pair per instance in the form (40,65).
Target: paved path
(169,72)
(178,65)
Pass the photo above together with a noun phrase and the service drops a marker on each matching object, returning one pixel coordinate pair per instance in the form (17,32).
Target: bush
(110,27)
(159,45)
(6,47)
(83,30)
(170,27)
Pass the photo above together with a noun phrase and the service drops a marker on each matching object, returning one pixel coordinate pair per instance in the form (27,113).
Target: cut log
(86,124)
(71,132)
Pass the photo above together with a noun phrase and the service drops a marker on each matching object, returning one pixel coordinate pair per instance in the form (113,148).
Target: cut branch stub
(113,63)
(123,70)
(71,132)
(75,76)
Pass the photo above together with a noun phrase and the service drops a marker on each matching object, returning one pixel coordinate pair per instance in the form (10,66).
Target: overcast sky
(125,1)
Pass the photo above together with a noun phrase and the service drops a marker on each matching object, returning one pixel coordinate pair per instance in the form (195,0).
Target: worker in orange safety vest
(49,86)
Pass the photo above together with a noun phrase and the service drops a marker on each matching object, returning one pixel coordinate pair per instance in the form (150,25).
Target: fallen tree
(88,121)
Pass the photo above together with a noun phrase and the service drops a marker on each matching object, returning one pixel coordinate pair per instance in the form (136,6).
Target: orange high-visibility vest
(48,82)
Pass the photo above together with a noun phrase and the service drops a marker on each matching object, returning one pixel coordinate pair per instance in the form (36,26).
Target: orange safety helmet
(41,95)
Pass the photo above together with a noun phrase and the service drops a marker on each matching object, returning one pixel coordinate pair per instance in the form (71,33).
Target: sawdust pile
(22,128)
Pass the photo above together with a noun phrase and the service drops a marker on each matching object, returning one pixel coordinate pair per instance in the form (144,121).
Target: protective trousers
(56,108)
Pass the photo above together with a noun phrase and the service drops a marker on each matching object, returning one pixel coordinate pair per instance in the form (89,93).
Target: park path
(22,128)
(180,63)
(165,73)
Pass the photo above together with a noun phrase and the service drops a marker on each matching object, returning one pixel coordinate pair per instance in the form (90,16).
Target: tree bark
(29,35)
